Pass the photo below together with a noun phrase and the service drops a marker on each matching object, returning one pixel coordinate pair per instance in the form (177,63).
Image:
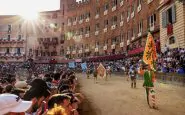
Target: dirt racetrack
(115,97)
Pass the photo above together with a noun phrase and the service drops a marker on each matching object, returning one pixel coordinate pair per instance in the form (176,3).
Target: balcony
(128,42)
(133,38)
(121,44)
(113,46)
(139,34)
(132,14)
(128,19)
(80,51)
(152,27)
(96,33)
(9,31)
(113,27)
(169,29)
(96,49)
(8,54)
(68,38)
(87,20)
(139,8)
(87,35)
(105,47)
(97,16)
(105,12)
(149,1)
(81,21)
(45,42)
(69,24)
(113,8)
(121,23)
(74,23)
(11,55)
(105,30)
(87,50)
(68,52)
(74,37)
(80,36)
(74,52)
(121,3)
(13,41)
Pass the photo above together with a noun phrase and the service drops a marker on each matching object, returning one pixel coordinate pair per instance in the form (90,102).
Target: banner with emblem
(84,66)
(101,70)
(150,54)
(71,64)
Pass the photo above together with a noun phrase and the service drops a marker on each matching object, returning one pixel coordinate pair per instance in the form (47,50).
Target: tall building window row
(131,9)
(136,30)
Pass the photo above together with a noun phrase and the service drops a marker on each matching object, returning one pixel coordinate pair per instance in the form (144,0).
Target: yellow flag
(101,70)
(150,54)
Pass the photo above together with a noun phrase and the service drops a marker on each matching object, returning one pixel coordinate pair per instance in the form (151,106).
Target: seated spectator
(1,89)
(181,71)
(57,110)
(8,89)
(21,85)
(38,92)
(13,103)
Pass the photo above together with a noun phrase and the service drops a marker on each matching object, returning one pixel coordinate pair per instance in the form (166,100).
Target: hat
(13,103)
(21,84)
(39,83)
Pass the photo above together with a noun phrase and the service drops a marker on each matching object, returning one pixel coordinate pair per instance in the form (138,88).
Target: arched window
(172,40)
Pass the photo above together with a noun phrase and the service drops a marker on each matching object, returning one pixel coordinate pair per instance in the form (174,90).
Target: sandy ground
(115,97)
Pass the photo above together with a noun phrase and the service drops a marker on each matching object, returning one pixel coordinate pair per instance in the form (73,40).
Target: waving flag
(150,54)
(84,66)
(101,70)
(71,64)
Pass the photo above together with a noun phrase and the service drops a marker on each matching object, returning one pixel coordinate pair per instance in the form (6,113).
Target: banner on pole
(71,64)
(150,54)
(84,66)
(101,70)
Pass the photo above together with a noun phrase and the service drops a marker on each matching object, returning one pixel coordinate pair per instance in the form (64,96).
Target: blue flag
(71,64)
(84,66)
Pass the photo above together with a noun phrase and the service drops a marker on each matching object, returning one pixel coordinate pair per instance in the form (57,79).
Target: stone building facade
(51,39)
(172,24)
(12,39)
(109,27)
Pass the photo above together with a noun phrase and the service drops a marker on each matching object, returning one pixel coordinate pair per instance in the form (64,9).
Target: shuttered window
(140,26)
(106,23)
(169,16)
(172,40)
(151,20)
(106,6)
(97,26)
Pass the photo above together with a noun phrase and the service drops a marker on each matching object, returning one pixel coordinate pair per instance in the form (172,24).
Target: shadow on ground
(86,108)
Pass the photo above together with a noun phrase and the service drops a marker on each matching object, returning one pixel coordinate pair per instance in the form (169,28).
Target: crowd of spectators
(172,61)
(47,93)
(36,89)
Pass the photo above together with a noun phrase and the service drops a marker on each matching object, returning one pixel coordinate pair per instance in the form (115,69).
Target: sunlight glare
(29,15)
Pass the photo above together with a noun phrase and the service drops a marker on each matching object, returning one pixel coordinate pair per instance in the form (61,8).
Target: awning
(136,51)
(110,57)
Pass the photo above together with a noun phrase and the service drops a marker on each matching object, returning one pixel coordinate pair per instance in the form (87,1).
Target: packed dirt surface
(116,97)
